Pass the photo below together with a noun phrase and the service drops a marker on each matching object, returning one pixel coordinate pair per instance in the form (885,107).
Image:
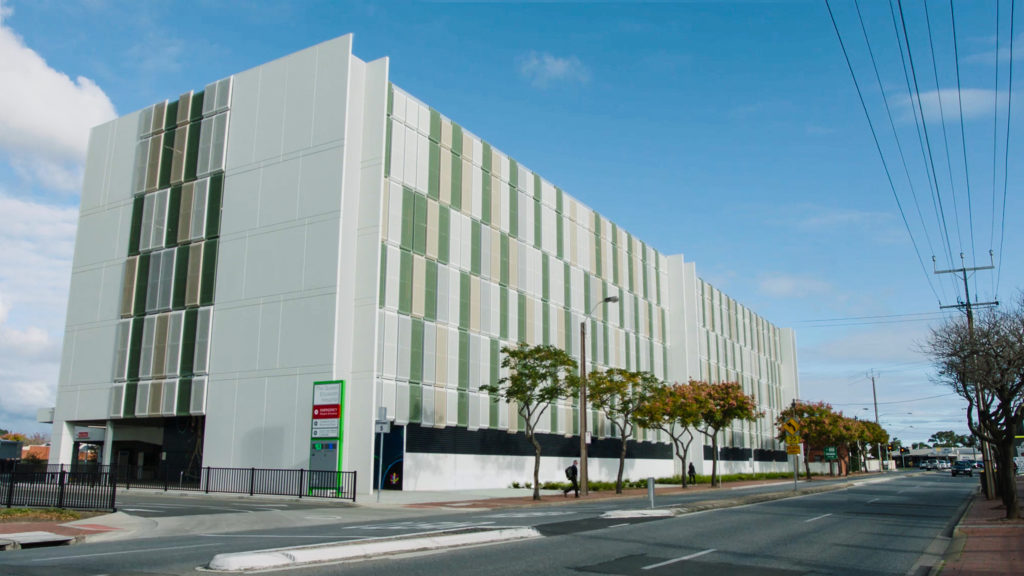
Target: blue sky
(730,132)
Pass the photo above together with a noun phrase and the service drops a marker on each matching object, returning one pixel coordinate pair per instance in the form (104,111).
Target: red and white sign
(327,411)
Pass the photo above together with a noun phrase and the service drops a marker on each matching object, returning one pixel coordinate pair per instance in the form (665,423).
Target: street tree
(537,376)
(949,439)
(674,409)
(620,394)
(818,426)
(984,364)
(720,405)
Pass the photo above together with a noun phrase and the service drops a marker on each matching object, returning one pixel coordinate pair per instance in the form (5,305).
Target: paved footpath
(984,542)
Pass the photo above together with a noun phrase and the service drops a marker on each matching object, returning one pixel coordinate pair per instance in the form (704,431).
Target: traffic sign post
(792,429)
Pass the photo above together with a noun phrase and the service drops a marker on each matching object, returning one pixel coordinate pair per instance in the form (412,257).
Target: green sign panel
(326,435)
(831,453)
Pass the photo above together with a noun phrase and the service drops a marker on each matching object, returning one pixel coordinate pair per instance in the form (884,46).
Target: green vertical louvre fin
(136,230)
(419,225)
(430,299)
(592,333)
(188,341)
(408,217)
(130,390)
(391,98)
(503,272)
(493,410)
(559,234)
(474,249)
(664,362)
(521,420)
(171,117)
(416,352)
(629,355)
(463,408)
(405,283)
(568,331)
(166,155)
(141,284)
(197,106)
(485,162)
(650,344)
(456,191)
(567,286)
(464,300)
(615,254)
(629,260)
(495,362)
(503,315)
(173,207)
(650,320)
(545,275)
(559,206)
(135,348)
(604,327)
(537,193)
(485,199)
(662,335)
(456,140)
(636,316)
(415,402)
(513,173)
(435,125)
(538,227)
(208,278)
(513,211)
(434,171)
(184,397)
(192,146)
(383,275)
(586,292)
(387,149)
(180,278)
(643,264)
(443,234)
(545,313)
(521,317)
(597,243)
(463,360)
(214,202)
(553,409)
(576,419)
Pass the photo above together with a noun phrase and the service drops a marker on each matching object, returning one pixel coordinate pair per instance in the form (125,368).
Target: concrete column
(108,443)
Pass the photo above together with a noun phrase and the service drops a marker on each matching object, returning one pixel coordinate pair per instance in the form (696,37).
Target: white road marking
(138,510)
(817,517)
(873,500)
(617,525)
(59,558)
(667,562)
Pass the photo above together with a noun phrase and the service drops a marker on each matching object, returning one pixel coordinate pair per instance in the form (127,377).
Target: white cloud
(541,69)
(793,286)
(976,102)
(45,116)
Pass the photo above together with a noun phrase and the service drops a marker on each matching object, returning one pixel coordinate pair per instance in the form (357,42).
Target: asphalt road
(881,528)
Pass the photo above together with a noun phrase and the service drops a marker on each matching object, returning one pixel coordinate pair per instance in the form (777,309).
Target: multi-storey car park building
(307,221)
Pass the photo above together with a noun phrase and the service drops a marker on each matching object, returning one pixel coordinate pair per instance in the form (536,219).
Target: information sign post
(326,435)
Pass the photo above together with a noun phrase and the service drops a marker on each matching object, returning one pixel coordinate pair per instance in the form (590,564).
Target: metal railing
(251,481)
(58,489)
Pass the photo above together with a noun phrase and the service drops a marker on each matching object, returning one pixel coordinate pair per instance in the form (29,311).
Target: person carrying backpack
(572,473)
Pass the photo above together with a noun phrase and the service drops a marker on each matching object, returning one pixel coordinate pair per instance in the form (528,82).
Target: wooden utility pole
(966,306)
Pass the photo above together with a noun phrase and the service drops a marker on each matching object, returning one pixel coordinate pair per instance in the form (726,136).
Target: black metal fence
(251,481)
(58,489)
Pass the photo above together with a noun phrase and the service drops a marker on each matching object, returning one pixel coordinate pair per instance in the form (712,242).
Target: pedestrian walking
(572,473)
(691,473)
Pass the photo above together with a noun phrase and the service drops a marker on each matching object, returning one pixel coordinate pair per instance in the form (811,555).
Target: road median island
(362,549)
(755,498)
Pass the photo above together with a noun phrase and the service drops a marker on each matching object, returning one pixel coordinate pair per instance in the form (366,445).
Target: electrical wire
(878,146)
(1006,150)
(995,142)
(963,138)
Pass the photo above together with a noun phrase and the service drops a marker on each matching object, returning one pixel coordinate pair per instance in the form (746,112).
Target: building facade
(308,221)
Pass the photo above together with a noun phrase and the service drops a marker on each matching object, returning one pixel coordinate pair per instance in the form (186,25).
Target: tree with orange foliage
(720,405)
(675,410)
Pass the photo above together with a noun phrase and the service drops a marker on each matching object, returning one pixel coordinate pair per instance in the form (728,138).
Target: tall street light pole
(584,489)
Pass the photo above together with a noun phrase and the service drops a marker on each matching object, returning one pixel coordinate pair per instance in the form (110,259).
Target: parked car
(931,464)
(963,467)
(944,465)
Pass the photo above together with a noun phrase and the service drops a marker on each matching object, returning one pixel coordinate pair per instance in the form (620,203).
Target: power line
(942,123)
(931,313)
(895,401)
(1006,161)
(995,144)
(878,146)
(963,136)
(940,211)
